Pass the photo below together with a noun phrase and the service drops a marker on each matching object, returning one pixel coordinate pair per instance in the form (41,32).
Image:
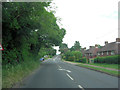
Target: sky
(88,21)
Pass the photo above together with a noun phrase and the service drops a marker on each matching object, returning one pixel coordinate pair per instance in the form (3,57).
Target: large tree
(63,48)
(76,46)
(27,28)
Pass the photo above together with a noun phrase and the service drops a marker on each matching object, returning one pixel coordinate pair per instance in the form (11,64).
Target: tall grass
(14,74)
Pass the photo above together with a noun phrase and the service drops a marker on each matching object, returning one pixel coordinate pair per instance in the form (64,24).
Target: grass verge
(110,72)
(114,66)
(14,74)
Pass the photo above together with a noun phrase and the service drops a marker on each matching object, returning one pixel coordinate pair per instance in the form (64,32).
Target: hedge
(72,56)
(84,60)
(108,59)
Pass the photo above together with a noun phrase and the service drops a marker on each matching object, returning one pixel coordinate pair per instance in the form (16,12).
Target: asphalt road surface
(54,73)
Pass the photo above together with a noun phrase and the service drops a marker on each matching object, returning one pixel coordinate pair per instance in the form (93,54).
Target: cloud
(88,21)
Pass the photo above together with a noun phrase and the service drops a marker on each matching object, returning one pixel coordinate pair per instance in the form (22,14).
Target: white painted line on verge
(69,76)
(81,87)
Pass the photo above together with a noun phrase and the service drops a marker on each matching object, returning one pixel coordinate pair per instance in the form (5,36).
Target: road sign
(1,48)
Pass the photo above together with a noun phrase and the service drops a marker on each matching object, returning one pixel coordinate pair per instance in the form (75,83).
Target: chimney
(117,39)
(84,48)
(90,47)
(96,45)
(106,42)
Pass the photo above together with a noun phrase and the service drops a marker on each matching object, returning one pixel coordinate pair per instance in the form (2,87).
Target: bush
(84,60)
(69,56)
(77,55)
(72,56)
(108,59)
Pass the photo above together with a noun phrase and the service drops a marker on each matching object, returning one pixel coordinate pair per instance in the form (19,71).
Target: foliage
(72,56)
(69,56)
(63,48)
(108,59)
(29,30)
(76,46)
(13,74)
(77,55)
(29,33)
(84,60)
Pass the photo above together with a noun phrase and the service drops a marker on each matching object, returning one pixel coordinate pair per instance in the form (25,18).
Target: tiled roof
(113,46)
(93,50)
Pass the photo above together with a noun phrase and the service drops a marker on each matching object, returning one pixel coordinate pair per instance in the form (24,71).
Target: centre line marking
(59,67)
(68,70)
(69,76)
(80,87)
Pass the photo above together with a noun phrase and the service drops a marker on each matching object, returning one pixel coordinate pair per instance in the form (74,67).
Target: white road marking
(59,67)
(65,70)
(69,76)
(68,70)
(80,87)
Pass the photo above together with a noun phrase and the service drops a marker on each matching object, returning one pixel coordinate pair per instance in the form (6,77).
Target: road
(54,73)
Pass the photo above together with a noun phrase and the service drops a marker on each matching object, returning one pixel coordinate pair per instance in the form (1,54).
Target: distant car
(41,59)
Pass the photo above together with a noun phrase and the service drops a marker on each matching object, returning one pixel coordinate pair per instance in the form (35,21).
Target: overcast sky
(88,21)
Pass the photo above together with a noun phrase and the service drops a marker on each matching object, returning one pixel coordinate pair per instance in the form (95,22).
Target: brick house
(109,49)
(91,52)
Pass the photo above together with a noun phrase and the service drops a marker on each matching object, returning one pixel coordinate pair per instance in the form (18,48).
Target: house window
(102,53)
(98,53)
(112,53)
(89,54)
(107,53)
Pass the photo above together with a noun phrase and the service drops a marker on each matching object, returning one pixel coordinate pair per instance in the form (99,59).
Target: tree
(63,48)
(76,46)
(78,55)
(28,30)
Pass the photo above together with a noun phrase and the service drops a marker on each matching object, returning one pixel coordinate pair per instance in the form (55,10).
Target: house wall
(105,53)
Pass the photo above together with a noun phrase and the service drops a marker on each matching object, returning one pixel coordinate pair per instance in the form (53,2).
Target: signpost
(1,48)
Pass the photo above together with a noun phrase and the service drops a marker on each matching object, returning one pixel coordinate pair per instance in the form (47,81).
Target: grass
(111,72)
(14,74)
(114,66)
